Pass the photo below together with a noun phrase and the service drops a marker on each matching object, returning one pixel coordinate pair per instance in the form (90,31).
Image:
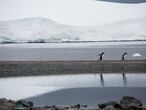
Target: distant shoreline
(43,41)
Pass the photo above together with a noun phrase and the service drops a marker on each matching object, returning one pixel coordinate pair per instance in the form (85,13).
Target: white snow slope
(45,30)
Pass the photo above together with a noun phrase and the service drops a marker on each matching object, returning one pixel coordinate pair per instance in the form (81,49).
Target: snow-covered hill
(45,30)
(132,29)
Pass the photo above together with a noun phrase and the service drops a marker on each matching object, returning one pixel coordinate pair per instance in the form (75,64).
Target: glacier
(41,30)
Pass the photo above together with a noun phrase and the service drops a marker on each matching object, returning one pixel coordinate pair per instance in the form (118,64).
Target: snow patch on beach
(136,55)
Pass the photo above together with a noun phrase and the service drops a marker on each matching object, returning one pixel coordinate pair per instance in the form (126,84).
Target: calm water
(54,87)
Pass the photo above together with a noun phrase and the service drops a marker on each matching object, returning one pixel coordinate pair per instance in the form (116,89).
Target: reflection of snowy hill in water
(45,30)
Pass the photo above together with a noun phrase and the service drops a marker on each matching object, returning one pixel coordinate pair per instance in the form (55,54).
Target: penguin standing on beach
(123,56)
(101,55)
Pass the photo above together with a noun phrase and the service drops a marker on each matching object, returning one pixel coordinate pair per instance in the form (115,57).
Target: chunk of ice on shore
(136,55)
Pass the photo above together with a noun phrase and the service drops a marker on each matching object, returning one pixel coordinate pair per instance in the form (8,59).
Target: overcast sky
(71,12)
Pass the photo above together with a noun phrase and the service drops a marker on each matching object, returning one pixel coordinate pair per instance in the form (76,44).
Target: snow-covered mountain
(45,30)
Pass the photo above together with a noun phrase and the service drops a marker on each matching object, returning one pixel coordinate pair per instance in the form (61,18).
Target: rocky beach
(126,103)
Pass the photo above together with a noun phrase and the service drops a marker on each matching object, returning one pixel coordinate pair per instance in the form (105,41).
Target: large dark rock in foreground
(112,104)
(12,105)
(6,104)
(130,102)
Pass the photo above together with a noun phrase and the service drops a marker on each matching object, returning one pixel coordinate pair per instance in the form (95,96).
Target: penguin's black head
(102,53)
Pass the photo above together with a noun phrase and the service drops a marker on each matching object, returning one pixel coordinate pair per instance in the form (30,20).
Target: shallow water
(23,87)
(90,96)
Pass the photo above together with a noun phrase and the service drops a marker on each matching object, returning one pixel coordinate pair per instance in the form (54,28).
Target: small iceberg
(136,55)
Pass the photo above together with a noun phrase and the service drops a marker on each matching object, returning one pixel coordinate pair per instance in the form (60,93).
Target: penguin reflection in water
(101,56)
